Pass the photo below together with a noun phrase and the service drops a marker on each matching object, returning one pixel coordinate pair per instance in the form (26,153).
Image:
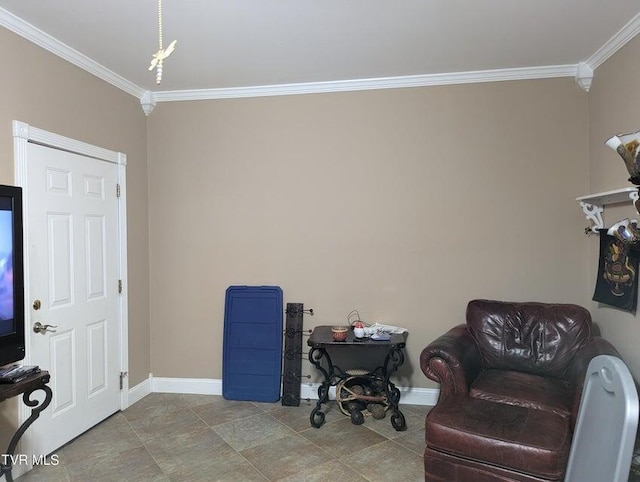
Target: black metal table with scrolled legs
(321,340)
(25,387)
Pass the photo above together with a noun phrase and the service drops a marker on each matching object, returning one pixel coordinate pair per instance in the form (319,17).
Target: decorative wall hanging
(161,54)
(628,146)
(617,282)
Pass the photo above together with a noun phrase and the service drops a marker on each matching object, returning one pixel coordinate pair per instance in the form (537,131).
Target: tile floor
(172,437)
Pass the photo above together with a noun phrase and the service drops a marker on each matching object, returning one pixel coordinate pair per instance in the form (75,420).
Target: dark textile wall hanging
(617,282)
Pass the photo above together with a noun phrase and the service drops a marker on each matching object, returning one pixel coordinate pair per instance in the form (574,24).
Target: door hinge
(117,190)
(120,286)
(122,375)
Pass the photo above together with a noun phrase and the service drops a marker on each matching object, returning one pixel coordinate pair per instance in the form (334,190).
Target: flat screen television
(11,276)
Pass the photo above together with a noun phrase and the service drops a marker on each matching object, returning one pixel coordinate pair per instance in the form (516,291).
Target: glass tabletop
(321,337)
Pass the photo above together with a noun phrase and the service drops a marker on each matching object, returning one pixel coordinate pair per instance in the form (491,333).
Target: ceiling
(227,45)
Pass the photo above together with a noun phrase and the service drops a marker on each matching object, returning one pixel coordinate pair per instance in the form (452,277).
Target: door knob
(40,328)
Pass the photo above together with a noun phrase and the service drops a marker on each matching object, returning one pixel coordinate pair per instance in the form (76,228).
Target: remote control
(16,373)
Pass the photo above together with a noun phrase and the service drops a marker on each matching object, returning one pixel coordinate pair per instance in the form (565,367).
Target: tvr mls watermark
(23,459)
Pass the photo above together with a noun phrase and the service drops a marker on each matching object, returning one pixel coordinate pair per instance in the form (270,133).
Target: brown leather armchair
(510,386)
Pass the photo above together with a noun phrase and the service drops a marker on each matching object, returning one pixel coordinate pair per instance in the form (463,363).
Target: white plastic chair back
(605,433)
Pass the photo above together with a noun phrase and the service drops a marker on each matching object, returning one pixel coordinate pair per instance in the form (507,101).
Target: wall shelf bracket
(593,205)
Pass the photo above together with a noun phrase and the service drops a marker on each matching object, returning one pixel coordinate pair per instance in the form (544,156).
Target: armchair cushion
(525,440)
(524,390)
(538,338)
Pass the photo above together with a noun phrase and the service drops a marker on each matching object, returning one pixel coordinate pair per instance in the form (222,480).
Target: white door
(73,275)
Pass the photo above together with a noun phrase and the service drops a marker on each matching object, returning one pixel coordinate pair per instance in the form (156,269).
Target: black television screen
(11,276)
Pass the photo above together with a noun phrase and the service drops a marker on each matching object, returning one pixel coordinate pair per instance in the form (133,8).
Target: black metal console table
(37,381)
(321,339)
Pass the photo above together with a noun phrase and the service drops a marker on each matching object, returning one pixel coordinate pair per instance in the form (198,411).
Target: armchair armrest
(453,360)
(578,368)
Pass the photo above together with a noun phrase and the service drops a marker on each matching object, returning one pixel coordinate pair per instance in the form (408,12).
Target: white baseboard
(201,386)
(208,386)
(141,390)
(419,396)
(409,396)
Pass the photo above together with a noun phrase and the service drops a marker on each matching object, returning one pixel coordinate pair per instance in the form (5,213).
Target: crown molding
(46,41)
(584,76)
(369,84)
(615,43)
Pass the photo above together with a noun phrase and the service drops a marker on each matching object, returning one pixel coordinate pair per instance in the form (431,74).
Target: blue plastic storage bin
(252,343)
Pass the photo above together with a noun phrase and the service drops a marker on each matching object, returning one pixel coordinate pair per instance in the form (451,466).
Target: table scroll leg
(37,407)
(393,361)
(316,355)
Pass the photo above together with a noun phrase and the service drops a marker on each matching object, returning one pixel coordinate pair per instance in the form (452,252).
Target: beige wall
(44,91)
(403,204)
(613,108)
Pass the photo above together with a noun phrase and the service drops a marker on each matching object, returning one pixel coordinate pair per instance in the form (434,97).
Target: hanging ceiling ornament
(161,54)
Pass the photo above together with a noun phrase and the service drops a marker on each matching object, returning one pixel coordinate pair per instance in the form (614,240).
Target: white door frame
(23,134)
